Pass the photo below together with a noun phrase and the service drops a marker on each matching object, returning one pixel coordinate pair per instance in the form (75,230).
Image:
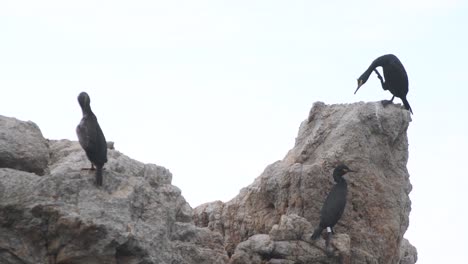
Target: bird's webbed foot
(387,102)
(89,169)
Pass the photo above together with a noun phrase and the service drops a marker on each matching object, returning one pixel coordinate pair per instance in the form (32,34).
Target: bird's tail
(317,233)
(99,175)
(406,104)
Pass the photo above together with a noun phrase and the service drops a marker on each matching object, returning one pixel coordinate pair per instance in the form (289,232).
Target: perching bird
(396,79)
(334,204)
(91,138)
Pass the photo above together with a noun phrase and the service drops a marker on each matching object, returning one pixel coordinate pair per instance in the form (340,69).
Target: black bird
(91,138)
(334,204)
(396,79)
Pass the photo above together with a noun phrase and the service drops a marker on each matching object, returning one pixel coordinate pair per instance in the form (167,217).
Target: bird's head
(340,170)
(360,82)
(83,99)
(363,78)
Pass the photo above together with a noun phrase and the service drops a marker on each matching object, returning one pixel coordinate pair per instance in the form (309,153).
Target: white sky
(215,90)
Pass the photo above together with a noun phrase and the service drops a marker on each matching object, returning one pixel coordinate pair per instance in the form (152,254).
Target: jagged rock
(408,253)
(367,137)
(139,217)
(22,146)
(289,242)
(210,216)
(136,217)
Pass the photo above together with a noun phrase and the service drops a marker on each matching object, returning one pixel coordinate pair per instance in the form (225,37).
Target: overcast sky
(215,90)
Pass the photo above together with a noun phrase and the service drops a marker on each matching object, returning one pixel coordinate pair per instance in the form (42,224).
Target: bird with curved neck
(91,137)
(396,79)
(334,204)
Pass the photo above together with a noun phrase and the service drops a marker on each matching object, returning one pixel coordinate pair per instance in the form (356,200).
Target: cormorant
(396,79)
(91,138)
(334,204)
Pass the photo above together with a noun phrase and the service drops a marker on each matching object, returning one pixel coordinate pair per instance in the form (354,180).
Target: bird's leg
(384,86)
(387,102)
(328,250)
(381,79)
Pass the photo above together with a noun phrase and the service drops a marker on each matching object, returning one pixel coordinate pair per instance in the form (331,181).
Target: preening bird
(396,79)
(91,138)
(334,204)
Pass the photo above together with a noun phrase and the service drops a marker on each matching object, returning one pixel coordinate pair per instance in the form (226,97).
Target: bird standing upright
(91,138)
(396,79)
(334,204)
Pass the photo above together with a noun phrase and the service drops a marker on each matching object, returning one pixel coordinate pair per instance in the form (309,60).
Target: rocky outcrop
(408,253)
(137,216)
(365,136)
(62,217)
(22,146)
(289,243)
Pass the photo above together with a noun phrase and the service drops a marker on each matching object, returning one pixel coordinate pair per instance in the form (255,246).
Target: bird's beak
(360,83)
(352,171)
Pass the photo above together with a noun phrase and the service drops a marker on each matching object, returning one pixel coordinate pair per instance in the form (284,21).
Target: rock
(110,144)
(365,136)
(136,217)
(408,253)
(22,146)
(289,242)
(210,216)
(291,227)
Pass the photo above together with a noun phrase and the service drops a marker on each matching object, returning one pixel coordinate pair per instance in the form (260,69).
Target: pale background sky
(215,90)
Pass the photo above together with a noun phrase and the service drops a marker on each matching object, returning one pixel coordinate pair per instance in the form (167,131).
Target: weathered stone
(136,217)
(291,227)
(367,137)
(289,242)
(408,253)
(22,146)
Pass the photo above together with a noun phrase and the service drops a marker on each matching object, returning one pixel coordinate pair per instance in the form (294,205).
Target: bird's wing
(87,135)
(397,79)
(333,207)
(101,145)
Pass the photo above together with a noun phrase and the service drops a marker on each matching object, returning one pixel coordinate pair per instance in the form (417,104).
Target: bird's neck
(339,179)
(376,63)
(367,73)
(86,110)
(380,61)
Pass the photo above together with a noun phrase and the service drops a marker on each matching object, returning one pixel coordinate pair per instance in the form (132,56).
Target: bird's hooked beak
(359,84)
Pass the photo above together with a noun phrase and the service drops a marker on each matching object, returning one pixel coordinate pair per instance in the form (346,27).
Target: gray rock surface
(289,242)
(22,146)
(408,253)
(365,136)
(139,217)
(62,217)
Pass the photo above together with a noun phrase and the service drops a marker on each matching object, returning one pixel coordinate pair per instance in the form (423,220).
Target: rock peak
(271,220)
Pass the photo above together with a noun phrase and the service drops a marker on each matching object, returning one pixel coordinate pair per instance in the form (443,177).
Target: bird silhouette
(334,205)
(91,138)
(396,79)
